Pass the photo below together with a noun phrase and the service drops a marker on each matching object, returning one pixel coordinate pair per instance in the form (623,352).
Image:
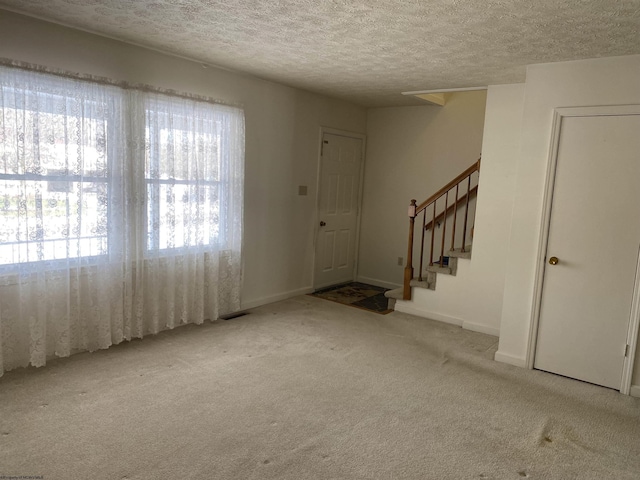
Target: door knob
(553,261)
(322,224)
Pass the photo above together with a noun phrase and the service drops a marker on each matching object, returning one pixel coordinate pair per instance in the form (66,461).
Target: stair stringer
(445,303)
(441,304)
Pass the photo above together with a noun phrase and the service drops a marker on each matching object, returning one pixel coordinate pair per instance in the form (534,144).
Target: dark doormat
(356,294)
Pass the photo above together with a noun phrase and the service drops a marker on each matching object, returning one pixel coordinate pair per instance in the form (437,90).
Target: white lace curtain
(120,214)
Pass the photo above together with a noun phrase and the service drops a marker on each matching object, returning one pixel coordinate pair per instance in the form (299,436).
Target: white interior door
(594,232)
(338,209)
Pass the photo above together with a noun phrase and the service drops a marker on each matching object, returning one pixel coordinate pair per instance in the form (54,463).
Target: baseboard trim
(275,298)
(478,327)
(635,391)
(403,307)
(377,283)
(510,359)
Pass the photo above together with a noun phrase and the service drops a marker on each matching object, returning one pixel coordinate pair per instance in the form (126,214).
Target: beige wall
(411,153)
(282,139)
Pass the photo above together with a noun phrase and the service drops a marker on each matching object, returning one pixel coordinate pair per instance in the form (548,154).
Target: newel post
(408,269)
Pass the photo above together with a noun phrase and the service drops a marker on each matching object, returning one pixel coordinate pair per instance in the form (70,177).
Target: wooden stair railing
(461,183)
(450,209)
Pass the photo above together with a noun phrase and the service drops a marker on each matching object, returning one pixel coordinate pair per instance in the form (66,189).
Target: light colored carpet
(310,389)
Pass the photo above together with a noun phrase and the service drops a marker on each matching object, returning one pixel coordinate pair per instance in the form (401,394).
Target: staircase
(447,224)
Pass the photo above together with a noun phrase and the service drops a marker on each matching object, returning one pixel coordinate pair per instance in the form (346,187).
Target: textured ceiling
(366,51)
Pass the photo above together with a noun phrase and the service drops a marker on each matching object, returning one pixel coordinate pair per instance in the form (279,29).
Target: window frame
(111,120)
(122,118)
(152,238)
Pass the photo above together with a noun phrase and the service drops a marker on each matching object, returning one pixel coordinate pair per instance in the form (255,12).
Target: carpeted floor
(356,294)
(310,389)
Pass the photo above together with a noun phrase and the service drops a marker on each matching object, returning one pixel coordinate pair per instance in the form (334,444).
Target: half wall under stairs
(442,298)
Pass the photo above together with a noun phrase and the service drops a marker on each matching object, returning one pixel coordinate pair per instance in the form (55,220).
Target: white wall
(498,171)
(411,153)
(282,139)
(473,298)
(606,81)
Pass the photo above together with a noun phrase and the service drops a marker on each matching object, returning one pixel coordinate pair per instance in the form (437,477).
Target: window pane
(45,143)
(52,219)
(181,147)
(181,215)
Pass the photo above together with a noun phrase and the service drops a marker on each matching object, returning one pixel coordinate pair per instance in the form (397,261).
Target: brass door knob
(322,224)
(553,261)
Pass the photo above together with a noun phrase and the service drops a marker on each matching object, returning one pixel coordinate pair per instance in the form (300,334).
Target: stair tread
(458,253)
(438,269)
(450,269)
(396,293)
(467,248)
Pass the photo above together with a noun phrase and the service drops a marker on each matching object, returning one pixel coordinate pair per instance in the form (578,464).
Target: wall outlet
(302,189)
(400,261)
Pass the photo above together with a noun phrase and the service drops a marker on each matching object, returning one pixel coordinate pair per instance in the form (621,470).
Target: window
(71,154)
(53,175)
(183,175)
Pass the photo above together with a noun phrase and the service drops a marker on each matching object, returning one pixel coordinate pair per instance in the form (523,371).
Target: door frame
(316,228)
(552,160)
